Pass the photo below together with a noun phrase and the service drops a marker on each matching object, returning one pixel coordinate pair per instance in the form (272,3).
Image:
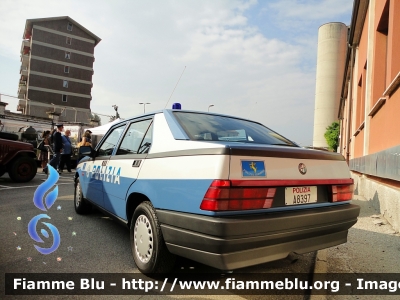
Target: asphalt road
(91,244)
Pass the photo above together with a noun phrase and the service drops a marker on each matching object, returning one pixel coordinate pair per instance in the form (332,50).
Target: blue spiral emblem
(44,206)
(32,232)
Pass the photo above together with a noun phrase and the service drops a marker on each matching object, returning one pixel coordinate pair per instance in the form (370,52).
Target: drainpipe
(350,104)
(341,132)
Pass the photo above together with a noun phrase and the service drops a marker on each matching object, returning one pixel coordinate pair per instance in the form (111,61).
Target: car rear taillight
(222,196)
(341,192)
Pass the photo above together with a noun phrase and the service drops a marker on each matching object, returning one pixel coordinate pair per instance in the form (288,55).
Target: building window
(65,83)
(69,27)
(381,54)
(66,69)
(64,98)
(67,55)
(69,40)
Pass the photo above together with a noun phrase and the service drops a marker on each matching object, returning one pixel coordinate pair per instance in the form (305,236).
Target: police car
(221,190)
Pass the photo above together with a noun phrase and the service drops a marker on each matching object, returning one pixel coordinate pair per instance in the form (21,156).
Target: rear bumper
(235,242)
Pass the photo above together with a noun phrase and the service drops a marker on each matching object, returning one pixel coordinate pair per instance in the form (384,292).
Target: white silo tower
(332,42)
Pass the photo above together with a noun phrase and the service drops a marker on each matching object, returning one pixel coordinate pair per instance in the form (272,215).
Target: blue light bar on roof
(176,106)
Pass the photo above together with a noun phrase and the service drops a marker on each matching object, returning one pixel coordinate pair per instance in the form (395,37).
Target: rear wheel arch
(149,250)
(10,159)
(134,201)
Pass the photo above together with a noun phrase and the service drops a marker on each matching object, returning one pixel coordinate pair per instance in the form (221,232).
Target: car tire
(22,169)
(82,206)
(148,247)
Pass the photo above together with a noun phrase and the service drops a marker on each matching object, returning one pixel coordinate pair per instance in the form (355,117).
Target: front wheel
(148,247)
(22,169)
(82,206)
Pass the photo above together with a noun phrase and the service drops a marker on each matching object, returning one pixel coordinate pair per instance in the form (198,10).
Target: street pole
(211,105)
(144,106)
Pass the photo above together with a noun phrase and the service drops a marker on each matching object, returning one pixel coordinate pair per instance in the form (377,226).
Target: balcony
(21,105)
(22,86)
(25,61)
(22,89)
(21,93)
(25,47)
(23,71)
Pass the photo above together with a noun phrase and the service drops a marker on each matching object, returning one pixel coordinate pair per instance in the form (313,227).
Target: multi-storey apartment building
(57,56)
(370,104)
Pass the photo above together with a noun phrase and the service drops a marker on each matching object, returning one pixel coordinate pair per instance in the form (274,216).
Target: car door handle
(136,163)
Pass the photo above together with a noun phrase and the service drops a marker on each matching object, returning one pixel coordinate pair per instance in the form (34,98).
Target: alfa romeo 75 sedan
(221,190)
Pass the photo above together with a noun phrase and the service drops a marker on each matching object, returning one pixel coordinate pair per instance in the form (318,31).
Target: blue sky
(253,59)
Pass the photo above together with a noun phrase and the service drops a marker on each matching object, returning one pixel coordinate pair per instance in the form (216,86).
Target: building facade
(370,104)
(57,56)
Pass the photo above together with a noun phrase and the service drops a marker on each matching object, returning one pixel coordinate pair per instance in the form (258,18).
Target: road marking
(61,177)
(66,197)
(28,186)
(4,186)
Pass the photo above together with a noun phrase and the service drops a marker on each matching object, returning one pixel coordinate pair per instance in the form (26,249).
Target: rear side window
(137,139)
(226,129)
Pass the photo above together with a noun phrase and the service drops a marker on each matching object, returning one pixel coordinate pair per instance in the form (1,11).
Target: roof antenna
(175,87)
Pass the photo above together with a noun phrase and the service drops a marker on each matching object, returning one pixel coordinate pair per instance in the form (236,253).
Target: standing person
(66,153)
(57,148)
(86,139)
(44,153)
(51,136)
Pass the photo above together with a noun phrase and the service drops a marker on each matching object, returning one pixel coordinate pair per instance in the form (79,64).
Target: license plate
(300,195)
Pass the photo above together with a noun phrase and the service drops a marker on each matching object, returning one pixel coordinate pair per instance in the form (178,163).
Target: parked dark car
(17,158)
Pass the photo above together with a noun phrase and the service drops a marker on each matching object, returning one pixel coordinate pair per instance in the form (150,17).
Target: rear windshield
(204,127)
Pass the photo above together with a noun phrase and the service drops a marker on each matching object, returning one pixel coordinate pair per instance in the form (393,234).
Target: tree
(96,118)
(332,136)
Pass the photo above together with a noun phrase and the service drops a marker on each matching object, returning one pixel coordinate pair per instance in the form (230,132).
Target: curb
(320,267)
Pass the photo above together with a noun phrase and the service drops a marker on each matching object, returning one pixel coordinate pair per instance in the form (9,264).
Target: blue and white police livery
(220,190)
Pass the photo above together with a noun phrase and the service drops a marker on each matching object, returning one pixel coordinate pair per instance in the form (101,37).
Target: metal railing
(385,164)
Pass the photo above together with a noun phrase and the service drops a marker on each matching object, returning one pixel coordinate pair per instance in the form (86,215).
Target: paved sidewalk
(372,247)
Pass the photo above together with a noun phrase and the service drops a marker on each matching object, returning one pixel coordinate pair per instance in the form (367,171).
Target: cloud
(310,10)
(229,61)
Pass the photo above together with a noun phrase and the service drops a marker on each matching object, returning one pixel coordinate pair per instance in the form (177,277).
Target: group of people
(62,148)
